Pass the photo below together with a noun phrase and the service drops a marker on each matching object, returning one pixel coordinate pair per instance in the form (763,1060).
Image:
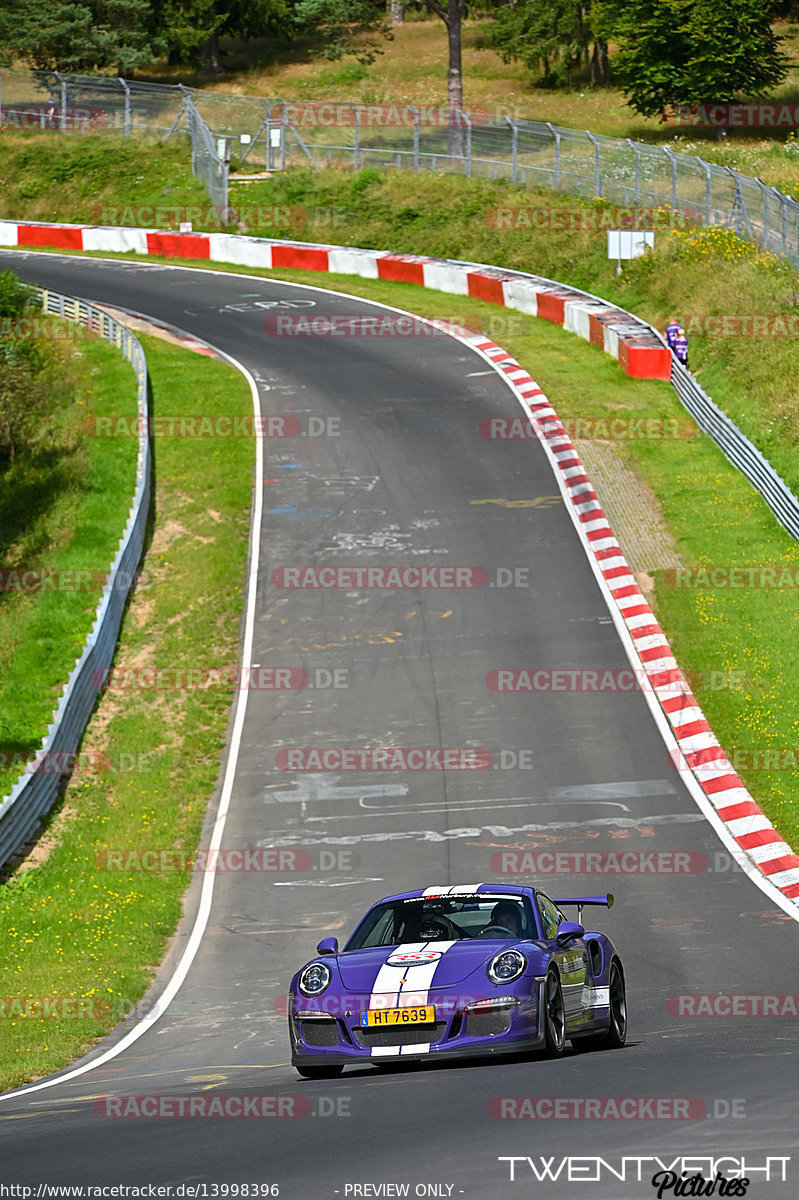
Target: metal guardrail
(37,789)
(736,446)
(731,440)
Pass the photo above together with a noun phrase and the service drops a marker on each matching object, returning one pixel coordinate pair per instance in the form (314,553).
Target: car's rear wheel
(617,1016)
(318,1072)
(615,1036)
(554,1017)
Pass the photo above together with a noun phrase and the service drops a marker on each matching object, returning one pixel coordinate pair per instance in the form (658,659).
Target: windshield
(444,919)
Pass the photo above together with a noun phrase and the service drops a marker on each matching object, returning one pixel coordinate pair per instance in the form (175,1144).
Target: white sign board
(629,243)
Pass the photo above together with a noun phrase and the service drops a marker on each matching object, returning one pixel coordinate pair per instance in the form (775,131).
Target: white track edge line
(659,716)
(206,896)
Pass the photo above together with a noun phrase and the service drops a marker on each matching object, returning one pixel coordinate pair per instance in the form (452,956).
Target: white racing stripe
(406,987)
(458,889)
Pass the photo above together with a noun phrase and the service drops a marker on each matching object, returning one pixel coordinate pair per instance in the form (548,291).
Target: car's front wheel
(554,1016)
(331,1072)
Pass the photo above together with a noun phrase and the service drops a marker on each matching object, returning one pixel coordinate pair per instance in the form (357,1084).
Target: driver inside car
(504,921)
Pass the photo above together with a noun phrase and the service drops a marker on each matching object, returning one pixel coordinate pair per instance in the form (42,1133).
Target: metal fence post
(62,124)
(514,148)
(415,112)
(738,214)
(764,191)
(356,147)
(789,205)
(556,135)
(466,118)
(597,175)
(637,152)
(707,189)
(127,106)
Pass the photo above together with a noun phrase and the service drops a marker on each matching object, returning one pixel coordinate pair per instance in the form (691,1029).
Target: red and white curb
(701,754)
(631,341)
(642,354)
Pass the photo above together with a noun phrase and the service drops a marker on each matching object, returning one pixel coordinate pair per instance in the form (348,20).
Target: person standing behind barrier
(677,341)
(51,113)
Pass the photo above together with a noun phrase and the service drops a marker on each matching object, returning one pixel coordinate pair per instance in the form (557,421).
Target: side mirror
(328,946)
(567,931)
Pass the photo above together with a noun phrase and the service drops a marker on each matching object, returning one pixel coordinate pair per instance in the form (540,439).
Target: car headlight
(506,966)
(314,979)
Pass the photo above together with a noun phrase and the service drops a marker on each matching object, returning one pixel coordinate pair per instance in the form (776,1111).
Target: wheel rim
(556,1021)
(618,1003)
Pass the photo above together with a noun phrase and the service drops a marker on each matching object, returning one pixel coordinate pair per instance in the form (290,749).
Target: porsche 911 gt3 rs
(456,971)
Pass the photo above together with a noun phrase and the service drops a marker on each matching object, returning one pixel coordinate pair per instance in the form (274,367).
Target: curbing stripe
(630,341)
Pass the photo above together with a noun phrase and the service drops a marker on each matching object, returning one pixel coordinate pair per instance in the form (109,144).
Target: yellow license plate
(424,1015)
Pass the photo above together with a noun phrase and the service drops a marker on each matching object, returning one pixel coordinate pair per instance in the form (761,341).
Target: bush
(15,296)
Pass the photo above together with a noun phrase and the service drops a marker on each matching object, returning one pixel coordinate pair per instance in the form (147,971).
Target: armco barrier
(737,448)
(34,792)
(636,345)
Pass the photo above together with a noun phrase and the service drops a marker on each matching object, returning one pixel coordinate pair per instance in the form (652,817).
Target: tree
(188,27)
(351,27)
(691,51)
(553,36)
(453,16)
(119,34)
(343,22)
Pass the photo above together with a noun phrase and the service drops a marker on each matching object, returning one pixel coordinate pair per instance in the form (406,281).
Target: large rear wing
(580,901)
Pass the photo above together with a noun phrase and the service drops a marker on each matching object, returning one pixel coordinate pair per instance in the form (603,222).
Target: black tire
(617,1031)
(318,1072)
(615,1036)
(554,1017)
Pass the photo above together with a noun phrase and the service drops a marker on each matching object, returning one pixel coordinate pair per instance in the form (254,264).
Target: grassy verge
(740,643)
(63,508)
(49,177)
(187,618)
(84,938)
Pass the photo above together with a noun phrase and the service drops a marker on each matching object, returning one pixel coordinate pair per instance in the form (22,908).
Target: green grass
(713,514)
(751,378)
(62,509)
(68,927)
(49,177)
(711,511)
(413,70)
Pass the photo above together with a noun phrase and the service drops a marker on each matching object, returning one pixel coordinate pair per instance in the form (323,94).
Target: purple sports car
(475,969)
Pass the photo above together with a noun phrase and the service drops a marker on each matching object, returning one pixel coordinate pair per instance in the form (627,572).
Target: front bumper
(328,1039)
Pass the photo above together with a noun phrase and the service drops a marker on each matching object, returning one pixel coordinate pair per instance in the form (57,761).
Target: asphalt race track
(399,475)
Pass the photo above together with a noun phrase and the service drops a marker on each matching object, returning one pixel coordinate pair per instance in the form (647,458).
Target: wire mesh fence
(276,134)
(69,104)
